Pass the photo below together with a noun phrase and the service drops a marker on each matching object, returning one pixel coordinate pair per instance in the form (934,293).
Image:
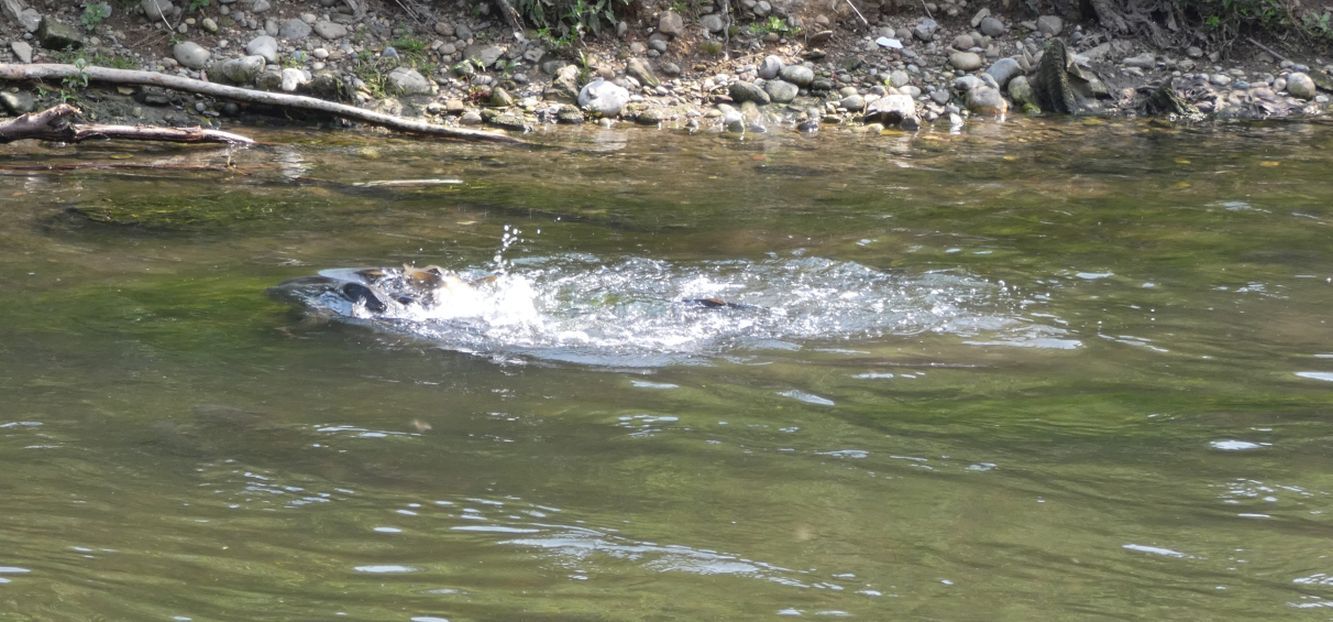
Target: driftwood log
(55,124)
(51,71)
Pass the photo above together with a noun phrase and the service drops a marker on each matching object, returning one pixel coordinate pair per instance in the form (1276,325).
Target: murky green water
(1113,399)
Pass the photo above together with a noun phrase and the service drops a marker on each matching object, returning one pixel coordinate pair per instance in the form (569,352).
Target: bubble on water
(637,312)
(1235,445)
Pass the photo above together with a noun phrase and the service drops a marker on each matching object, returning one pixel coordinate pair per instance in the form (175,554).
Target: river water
(1031,371)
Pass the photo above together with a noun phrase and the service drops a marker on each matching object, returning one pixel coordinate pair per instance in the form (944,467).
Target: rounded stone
(294,29)
(992,27)
(330,30)
(1300,85)
(800,75)
(1004,70)
(1050,25)
(781,91)
(769,67)
(742,91)
(965,61)
(191,54)
(265,46)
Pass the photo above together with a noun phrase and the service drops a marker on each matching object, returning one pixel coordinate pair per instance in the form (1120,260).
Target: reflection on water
(1039,370)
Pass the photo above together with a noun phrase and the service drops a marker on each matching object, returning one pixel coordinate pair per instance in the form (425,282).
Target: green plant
(773,24)
(94,13)
(1225,21)
(197,5)
(570,20)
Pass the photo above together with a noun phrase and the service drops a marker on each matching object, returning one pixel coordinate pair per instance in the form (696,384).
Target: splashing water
(648,312)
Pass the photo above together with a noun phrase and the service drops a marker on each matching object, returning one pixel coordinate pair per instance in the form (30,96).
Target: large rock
(330,30)
(265,46)
(965,61)
(408,81)
(240,71)
(1300,85)
(1050,25)
(800,75)
(712,23)
(986,100)
(671,23)
(191,54)
(1004,70)
(21,102)
(781,91)
(55,35)
(294,29)
(30,19)
(604,98)
(639,70)
(742,91)
(893,110)
(770,66)
(487,55)
(565,85)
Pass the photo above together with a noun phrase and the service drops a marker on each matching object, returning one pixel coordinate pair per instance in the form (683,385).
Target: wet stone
(742,91)
(781,91)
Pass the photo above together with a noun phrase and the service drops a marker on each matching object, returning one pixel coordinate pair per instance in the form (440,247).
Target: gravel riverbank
(773,66)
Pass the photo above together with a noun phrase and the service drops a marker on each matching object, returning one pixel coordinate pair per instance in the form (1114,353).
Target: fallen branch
(51,71)
(1267,49)
(54,124)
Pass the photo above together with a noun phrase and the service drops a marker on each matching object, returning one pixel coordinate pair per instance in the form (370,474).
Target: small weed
(773,24)
(197,5)
(94,13)
(94,59)
(711,47)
